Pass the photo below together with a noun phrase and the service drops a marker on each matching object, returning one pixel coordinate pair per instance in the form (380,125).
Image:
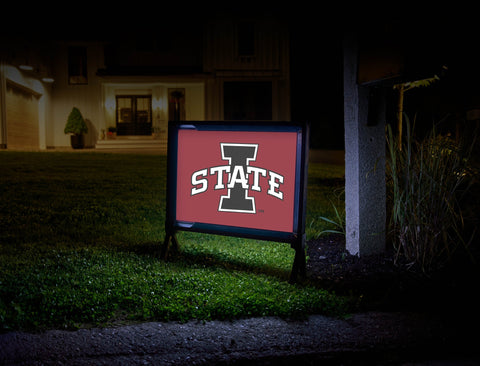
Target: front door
(134,115)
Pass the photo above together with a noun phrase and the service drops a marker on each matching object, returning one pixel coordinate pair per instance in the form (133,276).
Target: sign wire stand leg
(169,237)
(299,267)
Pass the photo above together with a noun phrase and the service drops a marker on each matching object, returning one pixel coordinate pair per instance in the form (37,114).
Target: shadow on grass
(154,249)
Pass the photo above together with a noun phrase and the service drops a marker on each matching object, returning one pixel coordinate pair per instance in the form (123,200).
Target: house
(134,81)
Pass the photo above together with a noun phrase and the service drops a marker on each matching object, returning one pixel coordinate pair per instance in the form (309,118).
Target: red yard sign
(242,179)
(237,179)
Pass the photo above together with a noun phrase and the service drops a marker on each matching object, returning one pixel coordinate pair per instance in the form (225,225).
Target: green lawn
(80,235)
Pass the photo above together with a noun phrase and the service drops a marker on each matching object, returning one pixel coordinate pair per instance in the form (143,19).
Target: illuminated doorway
(134,115)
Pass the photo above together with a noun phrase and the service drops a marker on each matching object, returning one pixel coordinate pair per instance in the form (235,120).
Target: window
(77,65)
(134,115)
(246,39)
(247,101)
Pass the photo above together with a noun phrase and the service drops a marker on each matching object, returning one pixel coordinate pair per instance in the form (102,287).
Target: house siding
(202,76)
(87,98)
(21,118)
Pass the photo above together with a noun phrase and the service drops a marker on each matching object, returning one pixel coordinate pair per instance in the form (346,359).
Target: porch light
(25,67)
(110,103)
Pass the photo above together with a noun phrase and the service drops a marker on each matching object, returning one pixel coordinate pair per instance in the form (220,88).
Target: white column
(365,194)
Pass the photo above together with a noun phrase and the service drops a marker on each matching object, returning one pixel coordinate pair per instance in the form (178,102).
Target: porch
(133,143)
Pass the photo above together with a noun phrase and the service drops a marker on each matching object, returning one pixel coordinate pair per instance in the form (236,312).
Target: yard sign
(238,179)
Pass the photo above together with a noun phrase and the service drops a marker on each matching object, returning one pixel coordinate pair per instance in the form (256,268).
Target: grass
(80,235)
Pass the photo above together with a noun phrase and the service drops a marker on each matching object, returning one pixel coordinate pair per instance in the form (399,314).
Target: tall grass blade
(425,181)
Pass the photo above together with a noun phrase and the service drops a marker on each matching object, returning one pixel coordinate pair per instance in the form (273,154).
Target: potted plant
(112,133)
(77,127)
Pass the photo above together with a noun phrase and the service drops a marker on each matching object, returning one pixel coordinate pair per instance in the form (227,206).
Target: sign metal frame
(296,236)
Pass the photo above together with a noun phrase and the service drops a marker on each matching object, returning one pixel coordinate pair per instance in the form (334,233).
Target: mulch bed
(377,283)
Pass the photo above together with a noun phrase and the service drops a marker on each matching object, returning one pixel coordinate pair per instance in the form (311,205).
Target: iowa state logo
(236,177)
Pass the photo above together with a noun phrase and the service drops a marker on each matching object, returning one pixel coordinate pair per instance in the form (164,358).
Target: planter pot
(77,141)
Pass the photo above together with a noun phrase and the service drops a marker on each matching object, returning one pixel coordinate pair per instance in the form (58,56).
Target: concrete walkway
(363,339)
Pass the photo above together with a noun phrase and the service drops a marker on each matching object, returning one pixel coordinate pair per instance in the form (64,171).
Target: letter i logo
(239,157)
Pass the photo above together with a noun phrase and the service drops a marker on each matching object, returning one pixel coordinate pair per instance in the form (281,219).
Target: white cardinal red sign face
(244,179)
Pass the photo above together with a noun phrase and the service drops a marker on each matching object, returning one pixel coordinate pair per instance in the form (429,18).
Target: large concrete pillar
(365,196)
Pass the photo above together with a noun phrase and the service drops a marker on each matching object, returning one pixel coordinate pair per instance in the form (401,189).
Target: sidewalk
(364,339)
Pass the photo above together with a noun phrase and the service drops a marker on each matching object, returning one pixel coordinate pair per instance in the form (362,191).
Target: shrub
(75,123)
(425,182)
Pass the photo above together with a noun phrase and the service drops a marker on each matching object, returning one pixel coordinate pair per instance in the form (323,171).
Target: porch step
(133,144)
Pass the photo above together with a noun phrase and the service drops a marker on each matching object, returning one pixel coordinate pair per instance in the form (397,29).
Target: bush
(75,123)
(425,182)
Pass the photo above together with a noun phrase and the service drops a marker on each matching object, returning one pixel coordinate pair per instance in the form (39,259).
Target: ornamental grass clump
(426,180)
